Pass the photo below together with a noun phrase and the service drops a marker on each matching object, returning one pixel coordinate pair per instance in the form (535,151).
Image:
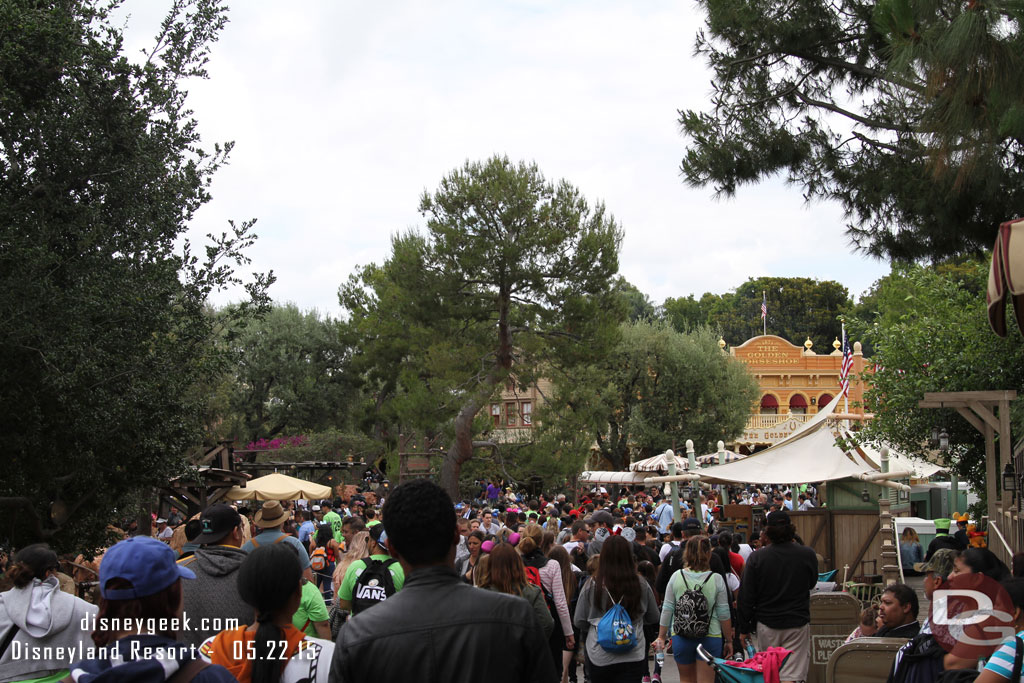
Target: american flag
(844,372)
(764,307)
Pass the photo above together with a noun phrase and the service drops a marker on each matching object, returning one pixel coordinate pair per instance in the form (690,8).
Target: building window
(824,400)
(496,414)
(527,410)
(797,405)
(769,405)
(510,414)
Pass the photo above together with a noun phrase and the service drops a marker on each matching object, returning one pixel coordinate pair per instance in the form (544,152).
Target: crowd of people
(417,586)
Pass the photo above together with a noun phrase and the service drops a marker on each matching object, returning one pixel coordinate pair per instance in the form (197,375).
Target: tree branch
(849,114)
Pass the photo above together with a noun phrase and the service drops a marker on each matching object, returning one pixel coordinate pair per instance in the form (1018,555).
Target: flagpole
(764,315)
(846,394)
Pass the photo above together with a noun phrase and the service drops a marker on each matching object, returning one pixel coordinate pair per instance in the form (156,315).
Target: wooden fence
(842,537)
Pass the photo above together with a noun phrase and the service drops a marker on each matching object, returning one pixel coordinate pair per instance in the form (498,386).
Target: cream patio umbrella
(279,486)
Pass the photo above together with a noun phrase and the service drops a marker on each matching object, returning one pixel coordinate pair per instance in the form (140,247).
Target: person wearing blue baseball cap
(139,620)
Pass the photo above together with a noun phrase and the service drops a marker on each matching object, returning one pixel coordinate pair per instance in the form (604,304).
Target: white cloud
(343,113)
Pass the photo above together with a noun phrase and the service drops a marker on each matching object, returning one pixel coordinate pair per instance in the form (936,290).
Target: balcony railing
(769,421)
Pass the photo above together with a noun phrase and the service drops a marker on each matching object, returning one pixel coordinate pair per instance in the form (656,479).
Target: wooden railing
(1006,535)
(767,421)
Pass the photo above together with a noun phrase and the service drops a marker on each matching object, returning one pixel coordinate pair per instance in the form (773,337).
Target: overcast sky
(343,113)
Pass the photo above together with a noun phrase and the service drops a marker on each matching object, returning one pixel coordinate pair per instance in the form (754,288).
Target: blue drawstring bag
(615,632)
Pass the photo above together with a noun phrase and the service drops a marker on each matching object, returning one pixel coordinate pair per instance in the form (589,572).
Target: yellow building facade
(795,384)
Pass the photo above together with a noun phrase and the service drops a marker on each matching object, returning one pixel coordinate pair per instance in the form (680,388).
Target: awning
(712,458)
(658,463)
(824,413)
(1006,277)
(898,462)
(279,486)
(630,478)
(808,457)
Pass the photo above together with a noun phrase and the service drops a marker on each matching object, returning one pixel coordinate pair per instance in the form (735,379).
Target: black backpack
(692,618)
(919,661)
(374,584)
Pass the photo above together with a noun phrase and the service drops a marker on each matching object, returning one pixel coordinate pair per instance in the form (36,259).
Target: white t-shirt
(571,545)
(168,532)
(667,548)
(745,551)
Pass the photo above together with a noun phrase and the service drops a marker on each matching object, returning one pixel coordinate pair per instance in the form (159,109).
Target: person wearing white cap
(163,532)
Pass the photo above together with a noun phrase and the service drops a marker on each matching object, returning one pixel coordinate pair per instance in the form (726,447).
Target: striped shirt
(1001,662)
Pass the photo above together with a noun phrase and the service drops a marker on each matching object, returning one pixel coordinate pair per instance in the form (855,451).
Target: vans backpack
(374,584)
(318,560)
(615,632)
(692,618)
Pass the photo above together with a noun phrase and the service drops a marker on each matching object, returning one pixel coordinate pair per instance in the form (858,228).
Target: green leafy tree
(106,343)
(638,305)
(658,388)
(290,376)
(909,114)
(931,333)
(798,307)
(513,275)
(688,313)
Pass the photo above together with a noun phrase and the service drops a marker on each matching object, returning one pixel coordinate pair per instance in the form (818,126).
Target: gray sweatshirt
(54,628)
(212,603)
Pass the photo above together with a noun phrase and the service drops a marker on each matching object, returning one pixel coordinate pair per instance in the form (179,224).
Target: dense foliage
(511,277)
(798,308)
(656,389)
(929,330)
(910,114)
(105,347)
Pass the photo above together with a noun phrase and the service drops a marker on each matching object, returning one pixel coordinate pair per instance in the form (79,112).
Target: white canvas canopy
(658,463)
(813,454)
(898,462)
(818,418)
(629,478)
(810,456)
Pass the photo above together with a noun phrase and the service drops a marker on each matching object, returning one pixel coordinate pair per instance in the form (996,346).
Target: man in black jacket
(898,608)
(438,628)
(775,595)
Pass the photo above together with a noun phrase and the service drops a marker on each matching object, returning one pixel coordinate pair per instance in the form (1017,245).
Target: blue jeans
(685,649)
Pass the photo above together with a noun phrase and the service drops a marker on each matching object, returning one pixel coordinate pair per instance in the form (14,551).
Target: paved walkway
(923,603)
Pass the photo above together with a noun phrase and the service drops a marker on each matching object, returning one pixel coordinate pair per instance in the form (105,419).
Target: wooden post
(887,535)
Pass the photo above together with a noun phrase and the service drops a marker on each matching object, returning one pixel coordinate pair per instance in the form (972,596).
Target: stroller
(727,673)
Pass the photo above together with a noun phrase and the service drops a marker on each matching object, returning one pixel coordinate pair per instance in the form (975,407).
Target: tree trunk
(462,448)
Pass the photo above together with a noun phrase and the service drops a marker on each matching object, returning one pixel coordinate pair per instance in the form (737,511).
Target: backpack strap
(255,543)
(707,578)
(280,538)
(1018,659)
(11,632)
